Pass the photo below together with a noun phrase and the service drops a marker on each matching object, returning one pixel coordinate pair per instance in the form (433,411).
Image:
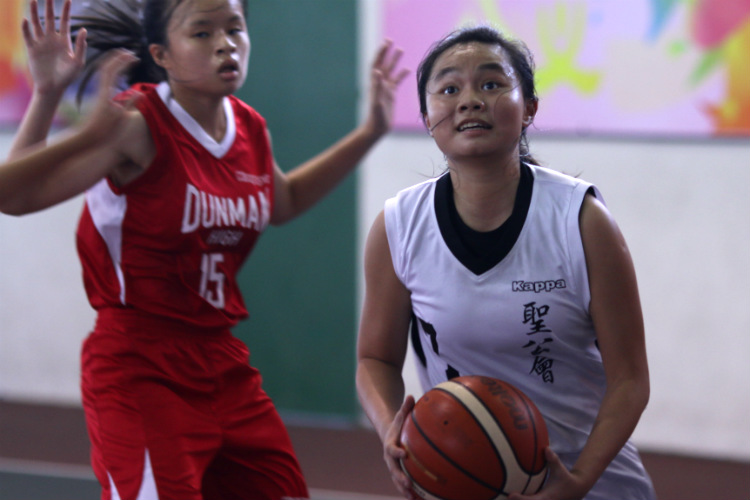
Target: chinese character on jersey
(540,348)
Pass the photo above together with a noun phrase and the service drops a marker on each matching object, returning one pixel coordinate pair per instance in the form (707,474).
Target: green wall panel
(299,283)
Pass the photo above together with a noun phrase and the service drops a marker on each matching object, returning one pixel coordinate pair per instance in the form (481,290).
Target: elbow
(645,393)
(283,213)
(13,207)
(639,393)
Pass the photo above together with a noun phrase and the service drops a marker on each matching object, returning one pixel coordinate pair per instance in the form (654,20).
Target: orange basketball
(474,437)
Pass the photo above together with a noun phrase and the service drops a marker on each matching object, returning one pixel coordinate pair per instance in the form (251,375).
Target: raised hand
(53,61)
(106,115)
(384,80)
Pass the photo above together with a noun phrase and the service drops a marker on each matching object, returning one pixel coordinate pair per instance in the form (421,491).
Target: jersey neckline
(217,149)
(481,251)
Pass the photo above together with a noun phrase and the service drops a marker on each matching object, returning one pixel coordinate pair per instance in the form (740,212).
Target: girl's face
(208,47)
(475,105)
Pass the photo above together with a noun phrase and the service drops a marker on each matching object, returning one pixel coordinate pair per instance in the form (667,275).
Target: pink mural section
(620,67)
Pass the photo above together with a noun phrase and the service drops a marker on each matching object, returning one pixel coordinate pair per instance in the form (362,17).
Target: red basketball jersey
(172,242)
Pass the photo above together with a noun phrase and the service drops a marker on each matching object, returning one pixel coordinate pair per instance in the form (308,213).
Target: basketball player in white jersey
(503,268)
(174,204)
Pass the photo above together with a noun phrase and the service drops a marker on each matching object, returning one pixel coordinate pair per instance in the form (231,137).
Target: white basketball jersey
(524,320)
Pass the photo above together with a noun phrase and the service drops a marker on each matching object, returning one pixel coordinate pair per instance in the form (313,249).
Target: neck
(485,194)
(207,110)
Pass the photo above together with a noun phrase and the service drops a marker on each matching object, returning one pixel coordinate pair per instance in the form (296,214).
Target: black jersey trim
(481,251)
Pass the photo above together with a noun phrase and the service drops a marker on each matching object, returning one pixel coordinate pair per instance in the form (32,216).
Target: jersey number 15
(212,280)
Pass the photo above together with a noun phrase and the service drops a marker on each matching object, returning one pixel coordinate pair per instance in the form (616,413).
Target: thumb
(113,66)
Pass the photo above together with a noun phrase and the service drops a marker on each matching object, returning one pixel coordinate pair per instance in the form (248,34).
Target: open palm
(53,61)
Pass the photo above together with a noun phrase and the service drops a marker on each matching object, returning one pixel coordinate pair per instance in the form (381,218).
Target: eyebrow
(490,66)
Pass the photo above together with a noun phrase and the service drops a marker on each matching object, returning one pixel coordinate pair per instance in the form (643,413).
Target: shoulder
(135,146)
(548,175)
(595,216)
(409,206)
(600,233)
(246,113)
(413,194)
(566,189)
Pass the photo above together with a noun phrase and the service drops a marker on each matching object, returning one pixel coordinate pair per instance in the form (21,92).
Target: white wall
(684,209)
(44,314)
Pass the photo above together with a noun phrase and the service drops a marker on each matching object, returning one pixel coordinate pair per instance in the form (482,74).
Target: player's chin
(229,85)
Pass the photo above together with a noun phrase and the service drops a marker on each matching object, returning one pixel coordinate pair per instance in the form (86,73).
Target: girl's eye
(450,89)
(491,86)
(201,34)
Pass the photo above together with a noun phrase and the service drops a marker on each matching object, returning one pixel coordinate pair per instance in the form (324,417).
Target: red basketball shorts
(175,414)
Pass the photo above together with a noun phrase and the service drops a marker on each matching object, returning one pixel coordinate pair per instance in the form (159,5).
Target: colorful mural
(614,67)
(15,90)
(15,81)
(651,67)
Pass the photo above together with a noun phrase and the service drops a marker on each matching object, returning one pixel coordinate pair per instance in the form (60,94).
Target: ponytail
(115,25)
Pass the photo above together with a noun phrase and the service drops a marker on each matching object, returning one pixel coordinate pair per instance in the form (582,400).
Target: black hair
(519,54)
(128,24)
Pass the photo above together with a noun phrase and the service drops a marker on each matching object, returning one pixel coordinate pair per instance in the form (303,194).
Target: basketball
(475,438)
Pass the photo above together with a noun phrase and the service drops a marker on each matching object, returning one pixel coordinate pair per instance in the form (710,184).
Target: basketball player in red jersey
(174,204)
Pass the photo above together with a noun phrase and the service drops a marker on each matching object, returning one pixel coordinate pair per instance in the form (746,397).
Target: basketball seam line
(489,414)
(531,473)
(528,416)
(440,452)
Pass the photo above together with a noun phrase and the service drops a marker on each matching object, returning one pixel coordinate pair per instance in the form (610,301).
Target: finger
(35,22)
(394,59)
(28,38)
(400,77)
(65,20)
(49,16)
(113,66)
(408,404)
(380,57)
(406,407)
(80,51)
(399,477)
(395,452)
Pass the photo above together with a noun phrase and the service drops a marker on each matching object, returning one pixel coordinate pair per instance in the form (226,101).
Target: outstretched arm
(53,63)
(45,175)
(300,189)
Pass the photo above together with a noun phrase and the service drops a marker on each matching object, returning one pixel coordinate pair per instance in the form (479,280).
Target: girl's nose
(226,45)
(472,102)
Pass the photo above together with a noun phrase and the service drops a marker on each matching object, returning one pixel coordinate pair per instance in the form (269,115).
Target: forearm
(380,388)
(307,184)
(36,122)
(618,416)
(27,179)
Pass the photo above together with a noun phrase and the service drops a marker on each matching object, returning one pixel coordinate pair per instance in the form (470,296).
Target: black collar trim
(481,251)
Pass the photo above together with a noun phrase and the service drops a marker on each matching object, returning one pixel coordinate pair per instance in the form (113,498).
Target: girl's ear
(532,105)
(426,121)
(158,53)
